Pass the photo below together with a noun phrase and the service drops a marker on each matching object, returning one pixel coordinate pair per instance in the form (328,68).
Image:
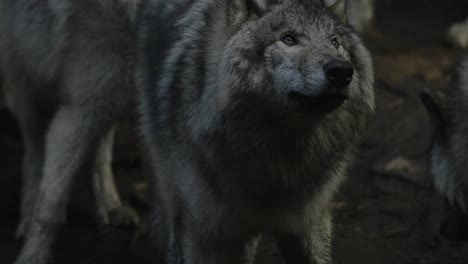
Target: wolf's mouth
(321,104)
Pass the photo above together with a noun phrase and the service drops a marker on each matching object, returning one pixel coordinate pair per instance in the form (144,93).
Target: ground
(381,212)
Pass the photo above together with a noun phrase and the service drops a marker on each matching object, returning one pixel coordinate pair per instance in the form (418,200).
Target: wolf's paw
(121,217)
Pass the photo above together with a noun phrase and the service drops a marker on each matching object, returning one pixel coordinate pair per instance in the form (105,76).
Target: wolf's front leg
(71,138)
(313,246)
(198,249)
(110,209)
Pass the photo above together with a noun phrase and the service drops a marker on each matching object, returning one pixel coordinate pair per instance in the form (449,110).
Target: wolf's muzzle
(339,73)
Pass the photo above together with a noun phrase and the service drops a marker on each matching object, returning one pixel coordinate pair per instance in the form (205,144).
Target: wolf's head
(298,55)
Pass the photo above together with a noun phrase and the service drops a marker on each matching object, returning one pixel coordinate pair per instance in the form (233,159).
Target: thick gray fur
(234,156)
(449,162)
(69,80)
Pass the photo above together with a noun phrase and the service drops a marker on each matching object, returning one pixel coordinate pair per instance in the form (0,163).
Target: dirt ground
(381,214)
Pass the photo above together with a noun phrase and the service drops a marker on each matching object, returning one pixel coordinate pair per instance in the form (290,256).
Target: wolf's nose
(339,72)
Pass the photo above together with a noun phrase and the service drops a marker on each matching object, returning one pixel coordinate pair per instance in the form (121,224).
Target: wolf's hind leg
(110,209)
(71,138)
(31,178)
(33,119)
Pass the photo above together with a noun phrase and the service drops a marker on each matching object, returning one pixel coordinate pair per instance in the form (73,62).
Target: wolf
(449,155)
(251,110)
(67,70)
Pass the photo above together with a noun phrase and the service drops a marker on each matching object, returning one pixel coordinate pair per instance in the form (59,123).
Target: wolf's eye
(289,40)
(335,42)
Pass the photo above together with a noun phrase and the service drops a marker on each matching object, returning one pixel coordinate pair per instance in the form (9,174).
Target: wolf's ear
(339,7)
(248,7)
(241,10)
(435,108)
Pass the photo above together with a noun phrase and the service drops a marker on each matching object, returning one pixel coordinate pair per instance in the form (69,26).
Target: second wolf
(252,110)
(449,156)
(69,81)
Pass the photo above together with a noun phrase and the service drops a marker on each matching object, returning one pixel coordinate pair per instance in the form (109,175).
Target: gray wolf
(449,154)
(251,110)
(68,80)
